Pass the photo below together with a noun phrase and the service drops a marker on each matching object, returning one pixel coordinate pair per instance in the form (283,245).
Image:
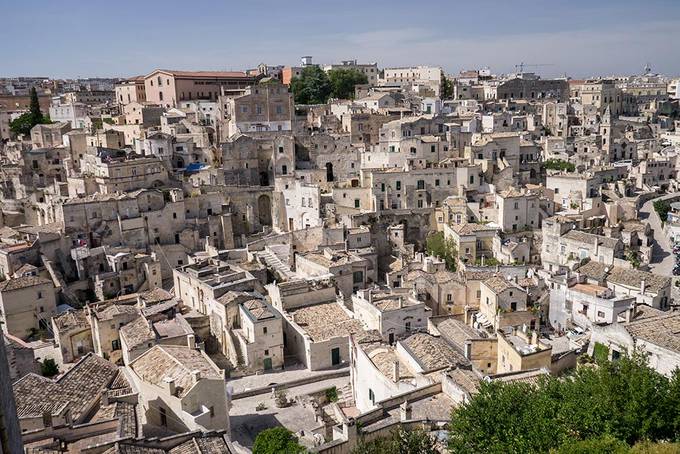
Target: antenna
(523,65)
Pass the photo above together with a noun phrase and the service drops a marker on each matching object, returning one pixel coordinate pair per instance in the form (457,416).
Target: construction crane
(523,65)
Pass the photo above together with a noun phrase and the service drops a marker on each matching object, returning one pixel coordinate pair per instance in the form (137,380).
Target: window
(357,203)
(358,277)
(40,295)
(398,185)
(421,184)
(371,396)
(266,353)
(600,314)
(513,306)
(212,411)
(115,344)
(264,330)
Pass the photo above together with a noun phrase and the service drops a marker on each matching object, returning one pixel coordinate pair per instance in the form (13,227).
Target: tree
(49,368)
(662,207)
(311,87)
(437,245)
(277,440)
(34,106)
(447,88)
(624,400)
(344,80)
(24,123)
(399,441)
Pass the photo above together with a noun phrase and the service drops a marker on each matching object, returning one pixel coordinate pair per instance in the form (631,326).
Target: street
(662,252)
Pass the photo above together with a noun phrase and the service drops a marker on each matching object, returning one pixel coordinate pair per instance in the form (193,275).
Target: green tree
(662,207)
(277,440)
(447,88)
(34,106)
(437,245)
(344,80)
(399,441)
(49,368)
(311,87)
(624,400)
(24,123)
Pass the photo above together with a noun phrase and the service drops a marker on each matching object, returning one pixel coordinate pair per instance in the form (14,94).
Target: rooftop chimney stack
(395,371)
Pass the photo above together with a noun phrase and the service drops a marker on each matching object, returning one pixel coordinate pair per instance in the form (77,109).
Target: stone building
(27,303)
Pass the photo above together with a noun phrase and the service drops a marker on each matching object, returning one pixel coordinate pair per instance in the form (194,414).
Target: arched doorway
(329,171)
(264,210)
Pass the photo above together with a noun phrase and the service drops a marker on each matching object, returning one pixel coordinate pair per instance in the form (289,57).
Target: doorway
(335,356)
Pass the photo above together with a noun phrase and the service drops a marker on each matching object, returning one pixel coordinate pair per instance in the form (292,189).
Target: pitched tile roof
(662,330)
(76,389)
(432,352)
(22,282)
(174,362)
(70,320)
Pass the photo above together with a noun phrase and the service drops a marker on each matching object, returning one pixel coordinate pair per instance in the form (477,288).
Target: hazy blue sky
(69,38)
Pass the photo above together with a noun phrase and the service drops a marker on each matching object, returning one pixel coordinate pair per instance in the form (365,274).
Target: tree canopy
(623,401)
(344,80)
(315,86)
(311,87)
(24,123)
(437,245)
(277,440)
(446,88)
(662,207)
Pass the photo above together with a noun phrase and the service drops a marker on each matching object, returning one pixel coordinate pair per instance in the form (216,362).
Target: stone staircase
(276,258)
(345,398)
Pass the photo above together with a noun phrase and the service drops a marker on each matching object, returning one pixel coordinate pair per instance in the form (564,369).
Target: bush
(332,394)
(277,440)
(399,441)
(49,368)
(261,406)
(558,164)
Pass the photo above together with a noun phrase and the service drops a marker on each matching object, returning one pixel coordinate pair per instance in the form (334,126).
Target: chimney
(405,411)
(395,371)
(534,338)
(643,286)
(170,386)
(191,341)
(195,376)
(370,295)
(468,350)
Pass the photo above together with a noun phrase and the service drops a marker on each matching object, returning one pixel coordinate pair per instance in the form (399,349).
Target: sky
(122,38)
